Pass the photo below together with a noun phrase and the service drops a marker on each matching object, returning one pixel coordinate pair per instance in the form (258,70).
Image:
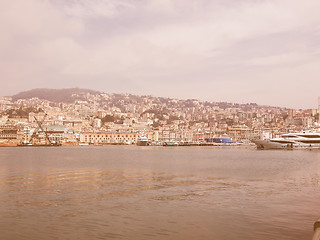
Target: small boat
(142,141)
(83,144)
(170,144)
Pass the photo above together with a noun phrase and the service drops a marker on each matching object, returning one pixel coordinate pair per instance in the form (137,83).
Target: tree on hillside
(108,118)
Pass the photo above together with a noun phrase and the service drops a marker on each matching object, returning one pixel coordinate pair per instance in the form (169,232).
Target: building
(97,123)
(10,133)
(319,108)
(33,117)
(109,138)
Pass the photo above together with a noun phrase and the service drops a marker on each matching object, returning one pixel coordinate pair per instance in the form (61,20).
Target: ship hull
(39,145)
(8,145)
(267,144)
(170,144)
(142,143)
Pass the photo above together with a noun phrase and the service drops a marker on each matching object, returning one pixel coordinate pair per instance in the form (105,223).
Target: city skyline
(265,52)
(76,116)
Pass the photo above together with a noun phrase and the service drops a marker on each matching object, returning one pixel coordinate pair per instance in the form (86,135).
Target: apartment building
(109,138)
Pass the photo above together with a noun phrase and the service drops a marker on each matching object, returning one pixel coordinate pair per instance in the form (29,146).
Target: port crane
(35,133)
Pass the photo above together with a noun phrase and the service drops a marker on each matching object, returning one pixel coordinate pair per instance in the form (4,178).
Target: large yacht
(306,139)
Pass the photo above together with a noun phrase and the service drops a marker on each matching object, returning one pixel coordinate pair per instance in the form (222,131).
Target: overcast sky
(262,51)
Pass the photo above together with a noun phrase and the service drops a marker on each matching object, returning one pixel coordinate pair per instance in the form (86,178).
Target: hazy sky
(262,51)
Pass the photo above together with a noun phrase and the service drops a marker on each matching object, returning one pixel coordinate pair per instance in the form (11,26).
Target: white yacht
(306,140)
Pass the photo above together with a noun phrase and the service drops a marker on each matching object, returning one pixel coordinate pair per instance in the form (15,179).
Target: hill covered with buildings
(77,113)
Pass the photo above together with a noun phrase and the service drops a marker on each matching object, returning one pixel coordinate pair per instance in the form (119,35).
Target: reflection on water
(143,199)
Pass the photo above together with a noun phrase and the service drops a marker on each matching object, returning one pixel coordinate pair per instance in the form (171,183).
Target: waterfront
(130,192)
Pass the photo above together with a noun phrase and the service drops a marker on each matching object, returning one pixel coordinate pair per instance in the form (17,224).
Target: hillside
(121,101)
(55,95)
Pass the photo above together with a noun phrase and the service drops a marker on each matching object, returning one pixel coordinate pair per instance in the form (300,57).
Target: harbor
(155,192)
(149,121)
(160,120)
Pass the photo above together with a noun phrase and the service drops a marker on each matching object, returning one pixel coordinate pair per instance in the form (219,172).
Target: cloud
(94,8)
(189,44)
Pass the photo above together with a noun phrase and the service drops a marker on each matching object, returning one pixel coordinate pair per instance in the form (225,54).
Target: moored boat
(8,144)
(142,141)
(302,140)
(39,145)
(170,144)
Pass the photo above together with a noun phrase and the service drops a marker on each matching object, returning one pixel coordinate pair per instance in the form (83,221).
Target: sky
(259,51)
